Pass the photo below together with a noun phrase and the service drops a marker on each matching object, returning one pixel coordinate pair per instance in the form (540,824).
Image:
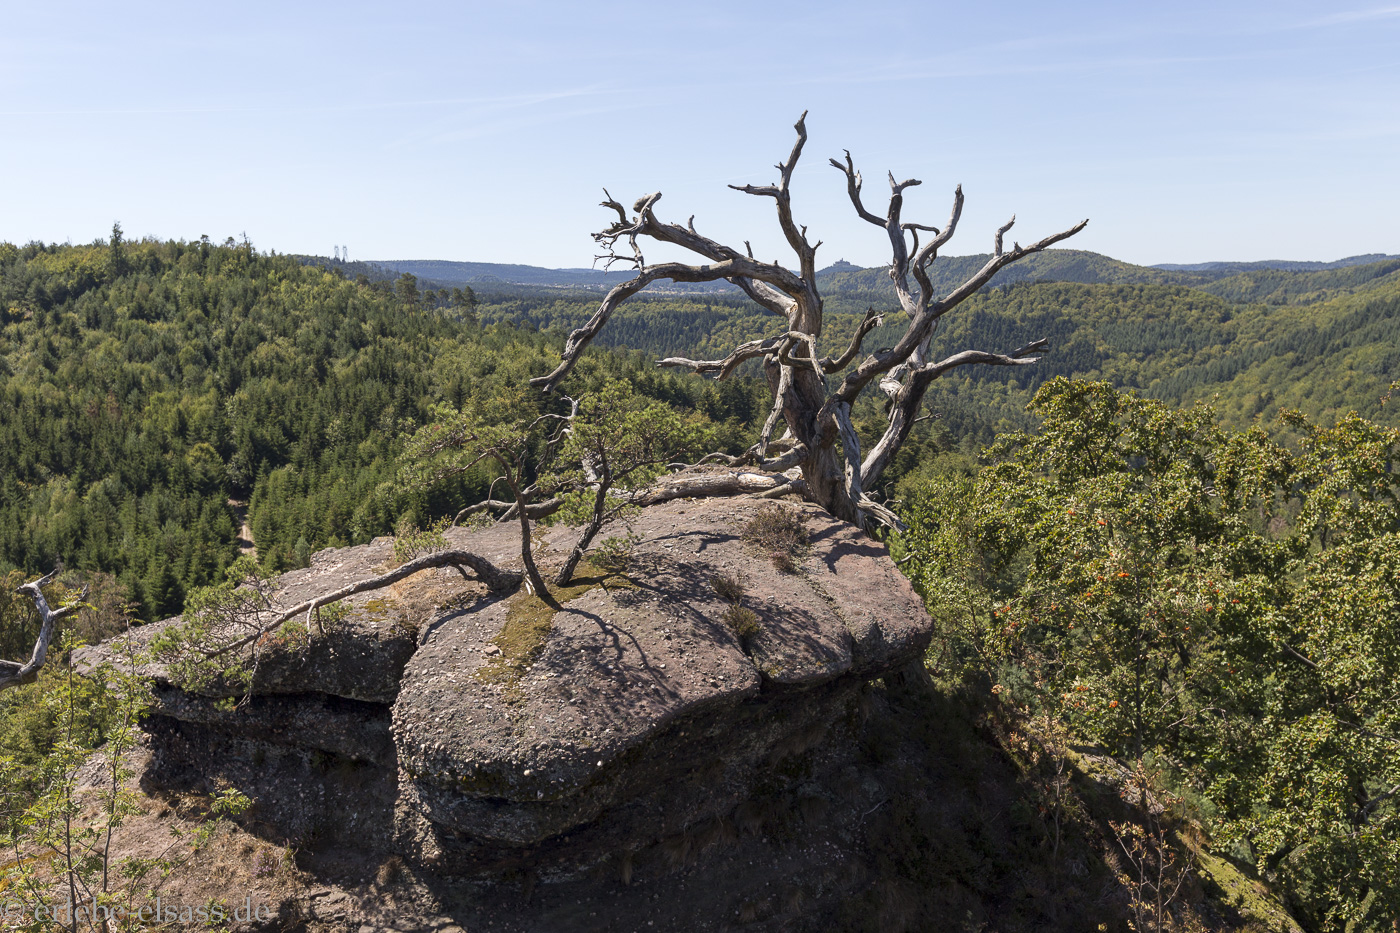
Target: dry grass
(749,817)
(716,831)
(390,871)
(741,621)
(676,850)
(780,533)
(624,868)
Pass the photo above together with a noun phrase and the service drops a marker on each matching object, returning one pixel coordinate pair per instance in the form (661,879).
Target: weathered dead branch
(15,673)
(700,485)
(496,580)
(818,417)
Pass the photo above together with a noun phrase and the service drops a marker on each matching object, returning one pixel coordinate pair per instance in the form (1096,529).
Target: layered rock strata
(475,733)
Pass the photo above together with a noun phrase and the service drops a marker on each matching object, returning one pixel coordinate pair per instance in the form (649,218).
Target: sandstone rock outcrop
(473,734)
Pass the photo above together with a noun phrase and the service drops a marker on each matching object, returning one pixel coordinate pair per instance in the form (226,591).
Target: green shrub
(613,554)
(411,541)
(741,621)
(727,587)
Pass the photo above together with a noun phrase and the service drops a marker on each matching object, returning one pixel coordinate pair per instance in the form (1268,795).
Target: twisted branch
(723,368)
(13,673)
(872,320)
(905,404)
(496,580)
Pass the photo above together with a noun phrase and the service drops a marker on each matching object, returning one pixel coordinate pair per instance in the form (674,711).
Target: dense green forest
(146,386)
(1191,562)
(1218,605)
(1324,342)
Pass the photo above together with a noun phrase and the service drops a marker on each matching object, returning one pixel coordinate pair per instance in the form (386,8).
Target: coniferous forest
(147,388)
(1174,536)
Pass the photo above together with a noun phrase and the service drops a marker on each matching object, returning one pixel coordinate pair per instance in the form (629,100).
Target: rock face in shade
(641,712)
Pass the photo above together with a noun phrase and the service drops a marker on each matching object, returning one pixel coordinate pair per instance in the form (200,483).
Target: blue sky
(485,132)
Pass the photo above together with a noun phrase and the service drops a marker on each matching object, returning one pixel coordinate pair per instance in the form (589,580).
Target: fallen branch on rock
(496,580)
(699,485)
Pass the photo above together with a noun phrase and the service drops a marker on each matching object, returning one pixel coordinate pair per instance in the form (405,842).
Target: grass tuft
(780,533)
(741,621)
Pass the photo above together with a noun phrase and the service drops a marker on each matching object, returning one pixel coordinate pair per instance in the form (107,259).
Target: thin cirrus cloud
(1354,16)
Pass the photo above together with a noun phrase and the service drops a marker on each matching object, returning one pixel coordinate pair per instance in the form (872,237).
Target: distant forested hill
(1325,341)
(1261,336)
(841,281)
(491,273)
(846,285)
(1285,265)
(1279,286)
(145,385)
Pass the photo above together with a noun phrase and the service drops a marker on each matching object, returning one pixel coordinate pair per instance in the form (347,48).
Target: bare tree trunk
(533,581)
(527,556)
(13,673)
(595,524)
(825,483)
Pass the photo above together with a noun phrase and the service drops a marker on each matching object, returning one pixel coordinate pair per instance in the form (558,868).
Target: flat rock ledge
(419,725)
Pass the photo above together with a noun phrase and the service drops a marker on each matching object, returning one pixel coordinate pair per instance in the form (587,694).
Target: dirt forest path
(245,533)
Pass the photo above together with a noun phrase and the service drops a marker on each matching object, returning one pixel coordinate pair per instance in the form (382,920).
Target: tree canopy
(1222,601)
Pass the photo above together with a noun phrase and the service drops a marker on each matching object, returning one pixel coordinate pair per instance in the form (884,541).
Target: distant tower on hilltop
(337,254)
(345,254)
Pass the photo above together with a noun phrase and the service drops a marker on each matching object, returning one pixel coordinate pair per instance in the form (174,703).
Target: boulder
(633,761)
(640,677)
(486,732)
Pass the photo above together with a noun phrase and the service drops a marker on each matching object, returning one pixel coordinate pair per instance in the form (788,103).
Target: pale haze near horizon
(474,132)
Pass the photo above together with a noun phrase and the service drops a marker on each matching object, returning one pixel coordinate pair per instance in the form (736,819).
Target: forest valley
(1186,553)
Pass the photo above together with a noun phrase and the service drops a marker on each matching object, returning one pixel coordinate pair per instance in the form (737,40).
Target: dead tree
(817,414)
(14,673)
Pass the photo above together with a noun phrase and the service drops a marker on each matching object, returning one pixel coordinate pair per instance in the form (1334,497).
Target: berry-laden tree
(823,442)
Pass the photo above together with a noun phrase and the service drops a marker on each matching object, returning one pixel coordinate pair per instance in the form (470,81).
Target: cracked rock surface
(634,710)
(633,661)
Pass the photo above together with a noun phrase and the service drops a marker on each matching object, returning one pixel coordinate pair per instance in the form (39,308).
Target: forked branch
(723,368)
(872,320)
(817,416)
(15,673)
(904,406)
(496,580)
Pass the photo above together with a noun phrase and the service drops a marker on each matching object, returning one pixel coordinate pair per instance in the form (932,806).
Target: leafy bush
(613,553)
(411,541)
(1222,602)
